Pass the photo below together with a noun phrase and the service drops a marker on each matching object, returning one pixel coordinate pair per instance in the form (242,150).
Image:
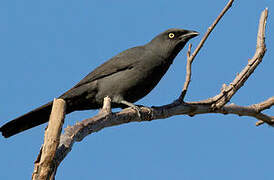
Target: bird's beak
(189,35)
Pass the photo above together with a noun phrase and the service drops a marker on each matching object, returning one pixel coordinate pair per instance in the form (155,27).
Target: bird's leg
(136,108)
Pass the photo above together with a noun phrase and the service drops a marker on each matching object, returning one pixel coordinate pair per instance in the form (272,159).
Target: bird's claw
(138,110)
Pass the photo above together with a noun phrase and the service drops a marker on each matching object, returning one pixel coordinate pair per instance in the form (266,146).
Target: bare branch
(97,123)
(200,45)
(188,74)
(191,57)
(265,105)
(239,81)
(262,106)
(78,132)
(227,92)
(44,164)
(251,111)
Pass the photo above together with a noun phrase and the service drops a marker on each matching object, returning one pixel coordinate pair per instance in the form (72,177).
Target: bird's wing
(123,61)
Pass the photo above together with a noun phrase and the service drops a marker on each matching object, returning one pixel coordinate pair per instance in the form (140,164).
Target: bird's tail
(29,120)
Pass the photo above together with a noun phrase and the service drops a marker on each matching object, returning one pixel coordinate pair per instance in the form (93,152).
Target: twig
(44,163)
(266,104)
(191,57)
(228,5)
(251,111)
(188,74)
(262,106)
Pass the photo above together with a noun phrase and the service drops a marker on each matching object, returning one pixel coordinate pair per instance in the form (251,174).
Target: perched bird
(125,78)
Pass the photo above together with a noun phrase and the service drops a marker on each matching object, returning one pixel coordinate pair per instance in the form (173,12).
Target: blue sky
(48,46)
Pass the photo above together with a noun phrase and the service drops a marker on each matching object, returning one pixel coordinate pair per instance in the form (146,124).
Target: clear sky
(48,46)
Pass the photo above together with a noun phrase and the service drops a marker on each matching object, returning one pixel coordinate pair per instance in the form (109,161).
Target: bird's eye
(171,35)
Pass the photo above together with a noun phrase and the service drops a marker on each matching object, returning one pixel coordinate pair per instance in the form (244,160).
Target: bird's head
(170,42)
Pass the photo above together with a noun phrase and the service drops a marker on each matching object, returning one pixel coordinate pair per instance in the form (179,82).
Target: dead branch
(191,57)
(188,74)
(227,92)
(44,164)
(209,30)
(99,122)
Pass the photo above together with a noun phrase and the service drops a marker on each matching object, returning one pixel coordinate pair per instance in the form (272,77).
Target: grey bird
(125,78)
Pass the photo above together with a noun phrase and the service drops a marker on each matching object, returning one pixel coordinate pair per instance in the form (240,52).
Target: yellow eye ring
(171,35)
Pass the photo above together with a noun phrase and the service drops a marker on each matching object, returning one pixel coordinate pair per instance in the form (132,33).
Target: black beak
(189,35)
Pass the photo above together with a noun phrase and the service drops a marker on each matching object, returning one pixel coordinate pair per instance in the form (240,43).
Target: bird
(125,78)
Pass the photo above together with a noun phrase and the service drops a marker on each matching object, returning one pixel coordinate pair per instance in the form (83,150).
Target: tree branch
(227,92)
(188,74)
(190,58)
(99,122)
(43,167)
(209,30)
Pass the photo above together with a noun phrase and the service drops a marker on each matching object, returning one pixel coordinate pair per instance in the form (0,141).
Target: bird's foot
(133,106)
